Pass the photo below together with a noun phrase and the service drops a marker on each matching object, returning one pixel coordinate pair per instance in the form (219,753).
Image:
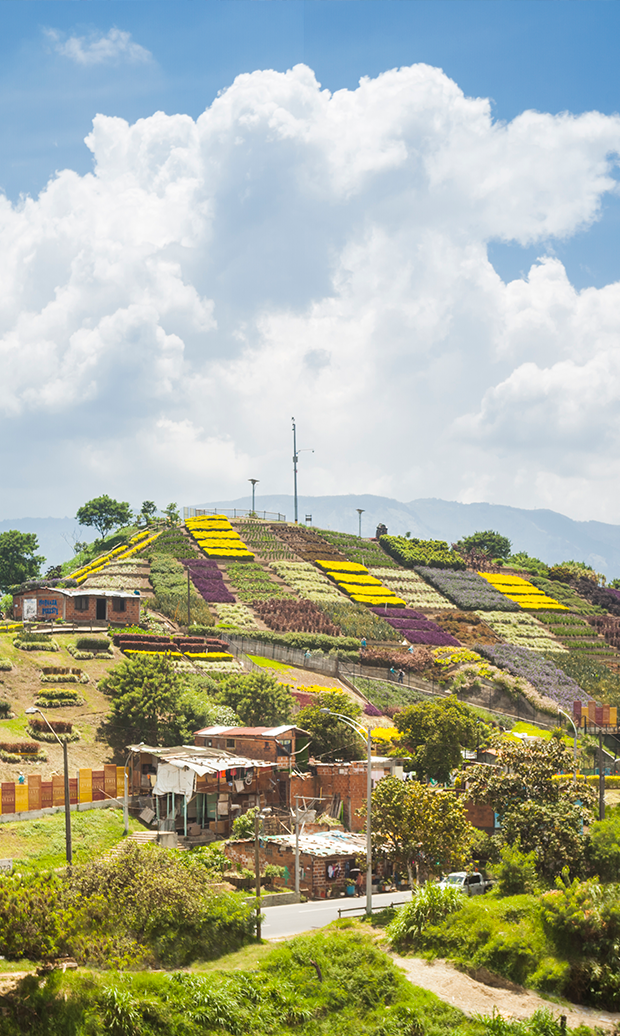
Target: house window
(267,745)
(80,604)
(230,742)
(118,604)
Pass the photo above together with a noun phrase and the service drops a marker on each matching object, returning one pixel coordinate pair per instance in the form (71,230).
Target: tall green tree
(434,733)
(147,511)
(147,704)
(489,542)
(257,699)
(331,738)
(104,514)
(422,829)
(18,558)
(172,514)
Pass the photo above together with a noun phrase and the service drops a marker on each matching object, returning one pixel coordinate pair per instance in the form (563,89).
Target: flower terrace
(357,582)
(216,537)
(522,592)
(416,628)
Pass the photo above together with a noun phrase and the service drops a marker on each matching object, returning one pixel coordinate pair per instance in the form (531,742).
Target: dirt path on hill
(473,997)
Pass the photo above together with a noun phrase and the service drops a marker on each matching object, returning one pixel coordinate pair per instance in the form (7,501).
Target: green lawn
(41,843)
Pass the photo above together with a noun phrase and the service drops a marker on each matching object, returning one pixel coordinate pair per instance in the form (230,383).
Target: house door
(101,608)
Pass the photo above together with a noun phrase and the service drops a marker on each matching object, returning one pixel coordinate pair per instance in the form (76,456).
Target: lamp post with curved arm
(570,720)
(365,732)
(68,847)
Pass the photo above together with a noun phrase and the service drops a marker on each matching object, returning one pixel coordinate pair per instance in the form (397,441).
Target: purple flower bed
(467,590)
(540,672)
(208,581)
(372,710)
(416,628)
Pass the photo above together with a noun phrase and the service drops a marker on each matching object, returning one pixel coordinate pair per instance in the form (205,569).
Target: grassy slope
(41,843)
(20,686)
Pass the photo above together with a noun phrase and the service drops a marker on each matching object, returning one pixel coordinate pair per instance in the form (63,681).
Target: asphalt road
(293,918)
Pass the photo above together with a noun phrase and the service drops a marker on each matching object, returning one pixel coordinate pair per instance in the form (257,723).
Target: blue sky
(403,255)
(551,55)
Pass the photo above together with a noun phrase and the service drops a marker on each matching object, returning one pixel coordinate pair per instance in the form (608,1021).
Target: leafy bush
(429,906)
(516,871)
(141,907)
(93,643)
(257,699)
(410,552)
(5,665)
(243,826)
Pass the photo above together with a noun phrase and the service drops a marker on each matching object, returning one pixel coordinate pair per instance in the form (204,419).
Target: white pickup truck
(471,883)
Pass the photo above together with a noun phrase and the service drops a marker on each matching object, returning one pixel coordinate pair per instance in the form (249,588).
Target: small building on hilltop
(47,604)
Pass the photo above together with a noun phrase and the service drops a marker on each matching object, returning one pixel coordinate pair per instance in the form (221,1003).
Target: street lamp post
(296,453)
(258,816)
(68,848)
(360,511)
(365,732)
(253,481)
(569,718)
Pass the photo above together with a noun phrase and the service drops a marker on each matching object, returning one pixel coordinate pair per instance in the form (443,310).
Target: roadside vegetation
(336,982)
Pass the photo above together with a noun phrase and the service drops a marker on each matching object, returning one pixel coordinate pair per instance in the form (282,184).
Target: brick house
(282,745)
(341,787)
(325,859)
(48,604)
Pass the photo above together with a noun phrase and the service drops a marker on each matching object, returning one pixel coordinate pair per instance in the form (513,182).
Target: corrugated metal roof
(248,731)
(323,843)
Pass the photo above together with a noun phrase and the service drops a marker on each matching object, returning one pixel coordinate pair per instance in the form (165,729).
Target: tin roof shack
(342,786)
(198,792)
(101,607)
(325,859)
(282,745)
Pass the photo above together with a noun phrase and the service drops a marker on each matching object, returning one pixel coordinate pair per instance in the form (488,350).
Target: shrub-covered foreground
(336,982)
(145,907)
(565,941)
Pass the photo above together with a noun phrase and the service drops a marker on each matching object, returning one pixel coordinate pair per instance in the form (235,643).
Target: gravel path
(474,997)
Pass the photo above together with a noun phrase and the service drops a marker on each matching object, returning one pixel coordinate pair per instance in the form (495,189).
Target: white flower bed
(412,588)
(522,630)
(307,581)
(235,615)
(220,667)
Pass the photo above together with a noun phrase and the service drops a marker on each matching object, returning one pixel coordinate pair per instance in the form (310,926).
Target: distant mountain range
(542,533)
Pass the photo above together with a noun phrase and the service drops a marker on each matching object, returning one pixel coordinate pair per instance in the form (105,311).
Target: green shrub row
(432,553)
(93,643)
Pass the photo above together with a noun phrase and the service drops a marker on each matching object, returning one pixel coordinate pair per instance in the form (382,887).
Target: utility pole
(188,605)
(601,777)
(296,453)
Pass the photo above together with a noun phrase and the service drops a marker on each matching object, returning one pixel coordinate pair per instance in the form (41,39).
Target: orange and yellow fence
(89,786)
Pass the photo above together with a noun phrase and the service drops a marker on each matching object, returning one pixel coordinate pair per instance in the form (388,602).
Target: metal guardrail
(236,512)
(360,909)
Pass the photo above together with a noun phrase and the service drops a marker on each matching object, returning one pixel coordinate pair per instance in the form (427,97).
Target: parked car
(470,883)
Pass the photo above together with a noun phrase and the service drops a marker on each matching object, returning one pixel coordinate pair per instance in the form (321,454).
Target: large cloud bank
(297,252)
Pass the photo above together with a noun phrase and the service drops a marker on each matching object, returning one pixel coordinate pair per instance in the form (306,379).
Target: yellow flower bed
(522,592)
(384,734)
(165,652)
(216,537)
(356,581)
(118,554)
(212,656)
(342,566)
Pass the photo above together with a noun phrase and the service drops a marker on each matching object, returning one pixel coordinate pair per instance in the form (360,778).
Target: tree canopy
(104,514)
(146,704)
(434,732)
(147,511)
(489,542)
(331,738)
(257,699)
(423,829)
(18,558)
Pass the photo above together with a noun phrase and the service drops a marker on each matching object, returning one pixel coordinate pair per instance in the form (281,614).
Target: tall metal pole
(126,805)
(68,846)
(253,481)
(257,870)
(297,882)
(360,511)
(601,777)
(368,829)
(188,606)
(561,711)
(295,459)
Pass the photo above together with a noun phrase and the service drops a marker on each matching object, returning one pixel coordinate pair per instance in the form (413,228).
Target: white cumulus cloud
(296,251)
(99,48)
